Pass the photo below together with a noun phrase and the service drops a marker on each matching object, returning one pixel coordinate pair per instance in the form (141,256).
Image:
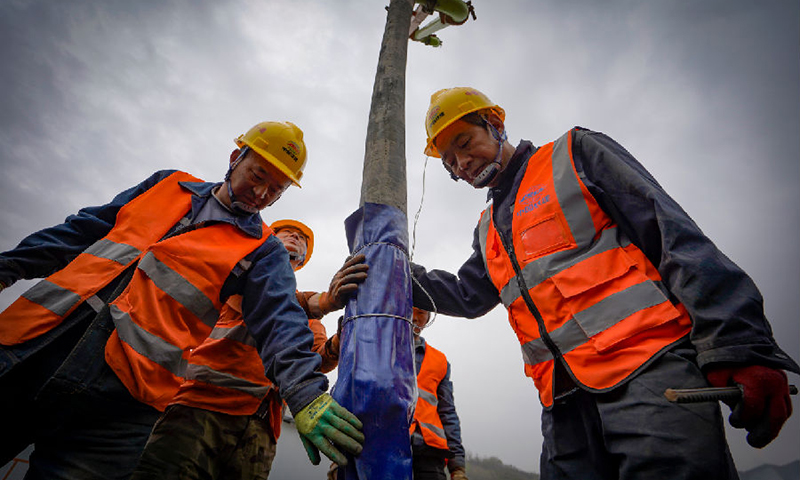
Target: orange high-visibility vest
(598,295)
(426,416)
(226,374)
(50,301)
(169,306)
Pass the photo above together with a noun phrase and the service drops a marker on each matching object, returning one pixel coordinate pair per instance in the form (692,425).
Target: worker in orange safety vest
(225,420)
(614,294)
(436,428)
(91,355)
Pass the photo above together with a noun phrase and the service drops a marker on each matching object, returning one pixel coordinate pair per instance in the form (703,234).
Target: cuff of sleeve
(305,393)
(325,304)
(9,273)
(456,463)
(765,353)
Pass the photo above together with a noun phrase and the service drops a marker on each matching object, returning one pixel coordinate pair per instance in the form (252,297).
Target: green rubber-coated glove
(323,425)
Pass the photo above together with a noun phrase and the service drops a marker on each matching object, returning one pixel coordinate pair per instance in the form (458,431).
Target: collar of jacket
(523,152)
(249,224)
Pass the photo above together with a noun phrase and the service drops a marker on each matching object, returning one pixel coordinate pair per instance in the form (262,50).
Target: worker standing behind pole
(93,353)
(435,429)
(225,420)
(614,294)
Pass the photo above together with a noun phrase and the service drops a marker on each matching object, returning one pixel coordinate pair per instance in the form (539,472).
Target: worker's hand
(333,471)
(458,474)
(323,425)
(765,403)
(344,283)
(333,344)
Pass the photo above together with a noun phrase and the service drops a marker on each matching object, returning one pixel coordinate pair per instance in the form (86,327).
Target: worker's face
(296,244)
(467,149)
(257,182)
(420,319)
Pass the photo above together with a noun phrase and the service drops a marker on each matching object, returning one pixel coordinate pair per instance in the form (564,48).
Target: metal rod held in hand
(711,394)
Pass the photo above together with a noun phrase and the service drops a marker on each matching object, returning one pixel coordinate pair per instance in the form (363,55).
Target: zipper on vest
(509,246)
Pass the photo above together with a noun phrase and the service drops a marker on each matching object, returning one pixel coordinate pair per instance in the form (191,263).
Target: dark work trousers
(190,443)
(428,467)
(633,432)
(59,394)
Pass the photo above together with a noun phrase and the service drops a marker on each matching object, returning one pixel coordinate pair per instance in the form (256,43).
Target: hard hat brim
(271,160)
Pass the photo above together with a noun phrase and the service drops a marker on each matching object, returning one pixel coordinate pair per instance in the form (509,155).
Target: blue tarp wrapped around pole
(377,380)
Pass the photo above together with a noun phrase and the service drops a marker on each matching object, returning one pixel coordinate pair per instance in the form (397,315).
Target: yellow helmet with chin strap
(304,229)
(450,104)
(279,143)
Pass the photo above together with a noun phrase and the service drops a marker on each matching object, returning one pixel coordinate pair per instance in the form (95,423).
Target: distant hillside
(790,471)
(291,463)
(493,468)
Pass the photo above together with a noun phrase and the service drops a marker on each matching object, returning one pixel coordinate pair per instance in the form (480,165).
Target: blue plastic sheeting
(377,380)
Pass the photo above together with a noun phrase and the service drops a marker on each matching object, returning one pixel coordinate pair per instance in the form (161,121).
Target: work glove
(765,404)
(333,471)
(323,425)
(458,474)
(344,283)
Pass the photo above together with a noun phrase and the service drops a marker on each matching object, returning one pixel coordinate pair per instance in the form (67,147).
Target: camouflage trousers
(192,443)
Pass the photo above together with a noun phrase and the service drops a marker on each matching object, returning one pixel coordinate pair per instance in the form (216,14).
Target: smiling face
(255,182)
(296,244)
(468,148)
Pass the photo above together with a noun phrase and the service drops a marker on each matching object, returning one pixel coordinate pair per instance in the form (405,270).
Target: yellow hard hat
(281,144)
(279,224)
(450,104)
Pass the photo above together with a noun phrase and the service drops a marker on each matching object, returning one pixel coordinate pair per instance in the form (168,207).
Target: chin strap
(237,206)
(296,256)
(490,171)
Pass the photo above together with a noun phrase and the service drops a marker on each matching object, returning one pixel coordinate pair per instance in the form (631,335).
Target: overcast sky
(97,95)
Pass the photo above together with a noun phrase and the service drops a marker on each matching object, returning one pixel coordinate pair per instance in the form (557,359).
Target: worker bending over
(614,294)
(92,354)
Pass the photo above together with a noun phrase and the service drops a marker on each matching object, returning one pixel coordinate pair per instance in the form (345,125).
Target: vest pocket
(545,236)
(612,300)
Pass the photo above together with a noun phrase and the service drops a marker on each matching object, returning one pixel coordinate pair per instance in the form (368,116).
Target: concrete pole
(377,380)
(384,177)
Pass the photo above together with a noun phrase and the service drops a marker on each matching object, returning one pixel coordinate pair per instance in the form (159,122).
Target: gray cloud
(98,94)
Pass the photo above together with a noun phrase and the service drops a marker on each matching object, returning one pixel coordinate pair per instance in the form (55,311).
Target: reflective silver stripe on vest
(541,269)
(145,343)
(483,232)
(438,431)
(239,333)
(180,289)
(569,194)
(207,374)
(428,397)
(95,302)
(57,299)
(593,320)
(117,252)
(605,313)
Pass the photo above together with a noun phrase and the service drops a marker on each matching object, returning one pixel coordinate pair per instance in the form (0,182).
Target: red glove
(765,403)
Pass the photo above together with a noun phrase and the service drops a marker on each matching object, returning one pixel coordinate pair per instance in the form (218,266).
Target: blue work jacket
(270,307)
(728,321)
(446,408)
